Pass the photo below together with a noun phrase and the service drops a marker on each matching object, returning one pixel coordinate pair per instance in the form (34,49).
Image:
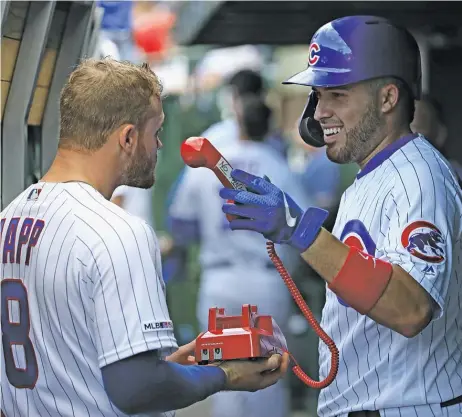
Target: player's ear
(128,138)
(388,96)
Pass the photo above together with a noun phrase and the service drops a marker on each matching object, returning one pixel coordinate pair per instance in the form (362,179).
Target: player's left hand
(184,354)
(266,209)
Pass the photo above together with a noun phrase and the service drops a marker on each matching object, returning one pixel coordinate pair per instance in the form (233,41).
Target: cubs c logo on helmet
(424,241)
(312,57)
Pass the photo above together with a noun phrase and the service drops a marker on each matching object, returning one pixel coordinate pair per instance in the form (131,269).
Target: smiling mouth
(331,133)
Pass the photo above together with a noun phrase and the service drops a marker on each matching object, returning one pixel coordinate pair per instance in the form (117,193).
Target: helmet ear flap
(310,130)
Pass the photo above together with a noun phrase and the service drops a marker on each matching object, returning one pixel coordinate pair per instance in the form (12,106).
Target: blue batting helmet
(353,49)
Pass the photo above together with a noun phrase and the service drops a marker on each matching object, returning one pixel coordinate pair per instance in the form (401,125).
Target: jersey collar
(384,154)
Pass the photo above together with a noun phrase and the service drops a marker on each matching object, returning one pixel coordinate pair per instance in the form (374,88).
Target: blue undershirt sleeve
(144,383)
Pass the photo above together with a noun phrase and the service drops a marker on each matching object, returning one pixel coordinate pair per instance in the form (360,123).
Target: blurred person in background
(236,87)
(136,201)
(152,25)
(115,37)
(136,30)
(429,121)
(235,267)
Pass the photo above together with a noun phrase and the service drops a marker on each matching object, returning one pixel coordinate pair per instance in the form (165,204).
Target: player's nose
(322,110)
(160,145)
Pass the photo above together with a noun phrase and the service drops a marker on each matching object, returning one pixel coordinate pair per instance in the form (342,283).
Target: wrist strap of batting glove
(308,228)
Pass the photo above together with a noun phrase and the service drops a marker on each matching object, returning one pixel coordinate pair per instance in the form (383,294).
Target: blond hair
(102,95)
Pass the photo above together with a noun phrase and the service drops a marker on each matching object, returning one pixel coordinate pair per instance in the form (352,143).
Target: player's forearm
(327,266)
(404,305)
(144,383)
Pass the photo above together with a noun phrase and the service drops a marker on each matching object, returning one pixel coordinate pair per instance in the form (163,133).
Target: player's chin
(144,182)
(149,182)
(150,178)
(336,153)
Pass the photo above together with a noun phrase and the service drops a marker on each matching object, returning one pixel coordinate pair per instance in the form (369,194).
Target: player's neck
(389,138)
(72,165)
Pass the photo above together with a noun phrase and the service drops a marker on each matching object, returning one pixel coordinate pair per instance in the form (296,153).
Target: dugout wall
(41,43)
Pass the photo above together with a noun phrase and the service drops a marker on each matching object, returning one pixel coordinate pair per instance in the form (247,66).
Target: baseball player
(85,326)
(235,268)
(392,265)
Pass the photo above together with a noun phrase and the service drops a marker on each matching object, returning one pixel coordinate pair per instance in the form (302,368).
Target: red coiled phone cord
(311,320)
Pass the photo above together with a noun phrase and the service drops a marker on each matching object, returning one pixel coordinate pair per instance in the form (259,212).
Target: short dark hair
(256,116)
(405,98)
(246,82)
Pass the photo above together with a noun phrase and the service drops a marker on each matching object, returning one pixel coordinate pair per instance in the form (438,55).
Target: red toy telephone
(235,337)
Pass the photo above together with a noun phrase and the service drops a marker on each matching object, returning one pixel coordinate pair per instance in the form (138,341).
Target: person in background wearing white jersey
(136,201)
(235,267)
(242,83)
(85,326)
(392,264)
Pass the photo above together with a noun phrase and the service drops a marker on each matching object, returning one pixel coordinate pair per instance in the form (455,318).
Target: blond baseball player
(85,326)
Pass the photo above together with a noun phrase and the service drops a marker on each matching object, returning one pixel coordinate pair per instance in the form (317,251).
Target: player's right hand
(254,375)
(266,209)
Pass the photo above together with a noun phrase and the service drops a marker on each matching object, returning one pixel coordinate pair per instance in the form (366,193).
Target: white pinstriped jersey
(81,288)
(404,207)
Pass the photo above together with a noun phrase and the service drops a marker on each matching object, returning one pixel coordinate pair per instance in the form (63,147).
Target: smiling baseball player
(393,262)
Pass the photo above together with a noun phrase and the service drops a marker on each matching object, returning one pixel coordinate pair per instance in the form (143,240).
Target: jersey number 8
(15,335)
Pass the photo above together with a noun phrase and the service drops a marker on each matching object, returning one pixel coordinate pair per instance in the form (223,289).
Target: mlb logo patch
(152,326)
(34,194)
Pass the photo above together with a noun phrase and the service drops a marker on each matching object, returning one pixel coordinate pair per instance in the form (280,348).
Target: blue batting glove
(265,209)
